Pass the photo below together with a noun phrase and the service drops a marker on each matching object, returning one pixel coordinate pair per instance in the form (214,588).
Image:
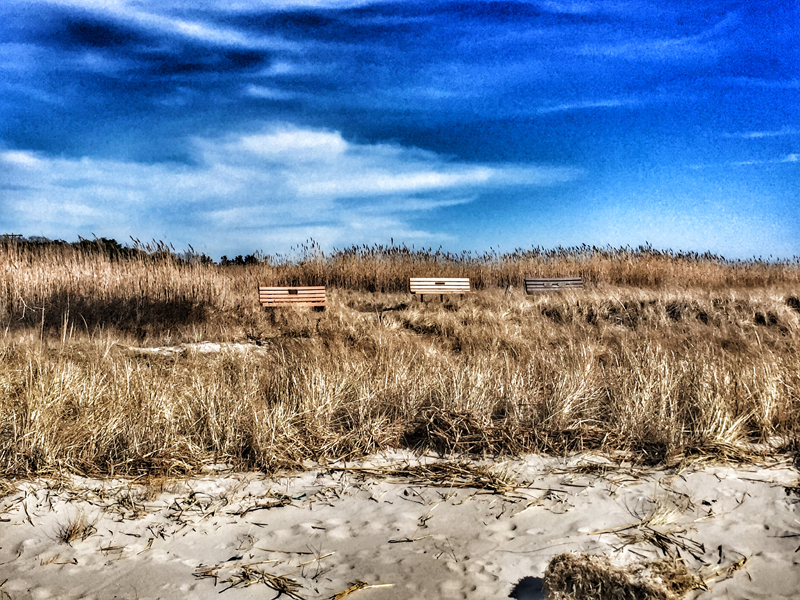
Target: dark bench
(439,285)
(552,284)
(293,296)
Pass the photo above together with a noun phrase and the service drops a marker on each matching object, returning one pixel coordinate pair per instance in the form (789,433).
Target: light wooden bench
(552,284)
(293,296)
(439,285)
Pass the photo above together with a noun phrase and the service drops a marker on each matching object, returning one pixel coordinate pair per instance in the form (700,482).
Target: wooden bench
(552,284)
(293,296)
(439,285)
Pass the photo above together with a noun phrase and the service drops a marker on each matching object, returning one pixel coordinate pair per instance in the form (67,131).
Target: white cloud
(255,5)
(282,178)
(269,93)
(154,16)
(283,67)
(789,158)
(590,104)
(25,160)
(289,141)
(374,182)
(571,7)
(749,135)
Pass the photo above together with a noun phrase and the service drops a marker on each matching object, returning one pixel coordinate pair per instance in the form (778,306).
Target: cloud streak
(760,82)
(788,159)
(282,178)
(705,45)
(194,29)
(589,105)
(753,135)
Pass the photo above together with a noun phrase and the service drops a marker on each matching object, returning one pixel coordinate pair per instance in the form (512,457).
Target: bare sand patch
(398,526)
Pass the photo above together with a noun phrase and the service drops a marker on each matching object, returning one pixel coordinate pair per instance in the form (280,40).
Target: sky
(237,126)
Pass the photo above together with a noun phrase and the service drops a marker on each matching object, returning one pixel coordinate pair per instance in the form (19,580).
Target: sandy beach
(397,527)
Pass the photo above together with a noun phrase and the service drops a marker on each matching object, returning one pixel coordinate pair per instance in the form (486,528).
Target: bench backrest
(440,285)
(297,296)
(552,284)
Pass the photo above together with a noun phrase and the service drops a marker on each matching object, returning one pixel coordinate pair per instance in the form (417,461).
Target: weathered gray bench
(552,284)
(293,296)
(439,285)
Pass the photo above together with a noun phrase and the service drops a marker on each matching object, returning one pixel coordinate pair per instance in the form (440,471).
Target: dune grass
(588,577)
(76,529)
(664,356)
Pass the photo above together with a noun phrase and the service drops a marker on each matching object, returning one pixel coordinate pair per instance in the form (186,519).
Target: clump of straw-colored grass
(594,577)
(76,529)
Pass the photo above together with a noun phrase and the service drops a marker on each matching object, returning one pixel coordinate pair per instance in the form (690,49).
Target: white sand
(328,529)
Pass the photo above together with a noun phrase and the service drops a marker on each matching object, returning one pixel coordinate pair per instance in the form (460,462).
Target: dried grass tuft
(77,529)
(659,529)
(590,577)
(248,576)
(448,474)
(7,488)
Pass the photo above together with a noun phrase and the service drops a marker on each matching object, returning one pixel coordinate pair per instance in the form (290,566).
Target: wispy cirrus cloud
(590,104)
(646,50)
(752,135)
(704,45)
(248,6)
(154,17)
(571,7)
(760,82)
(280,179)
(269,92)
(787,159)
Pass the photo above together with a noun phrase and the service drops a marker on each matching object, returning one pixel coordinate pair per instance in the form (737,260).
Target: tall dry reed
(660,371)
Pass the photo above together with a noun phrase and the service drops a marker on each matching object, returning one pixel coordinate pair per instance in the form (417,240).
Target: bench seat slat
(451,279)
(298,295)
(439,285)
(289,293)
(292,291)
(552,284)
(293,296)
(294,299)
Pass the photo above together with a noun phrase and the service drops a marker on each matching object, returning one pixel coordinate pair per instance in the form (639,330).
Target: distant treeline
(108,247)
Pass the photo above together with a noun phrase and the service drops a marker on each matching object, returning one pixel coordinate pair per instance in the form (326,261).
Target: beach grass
(664,356)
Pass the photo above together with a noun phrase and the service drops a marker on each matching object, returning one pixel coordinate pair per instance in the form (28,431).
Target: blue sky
(238,126)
